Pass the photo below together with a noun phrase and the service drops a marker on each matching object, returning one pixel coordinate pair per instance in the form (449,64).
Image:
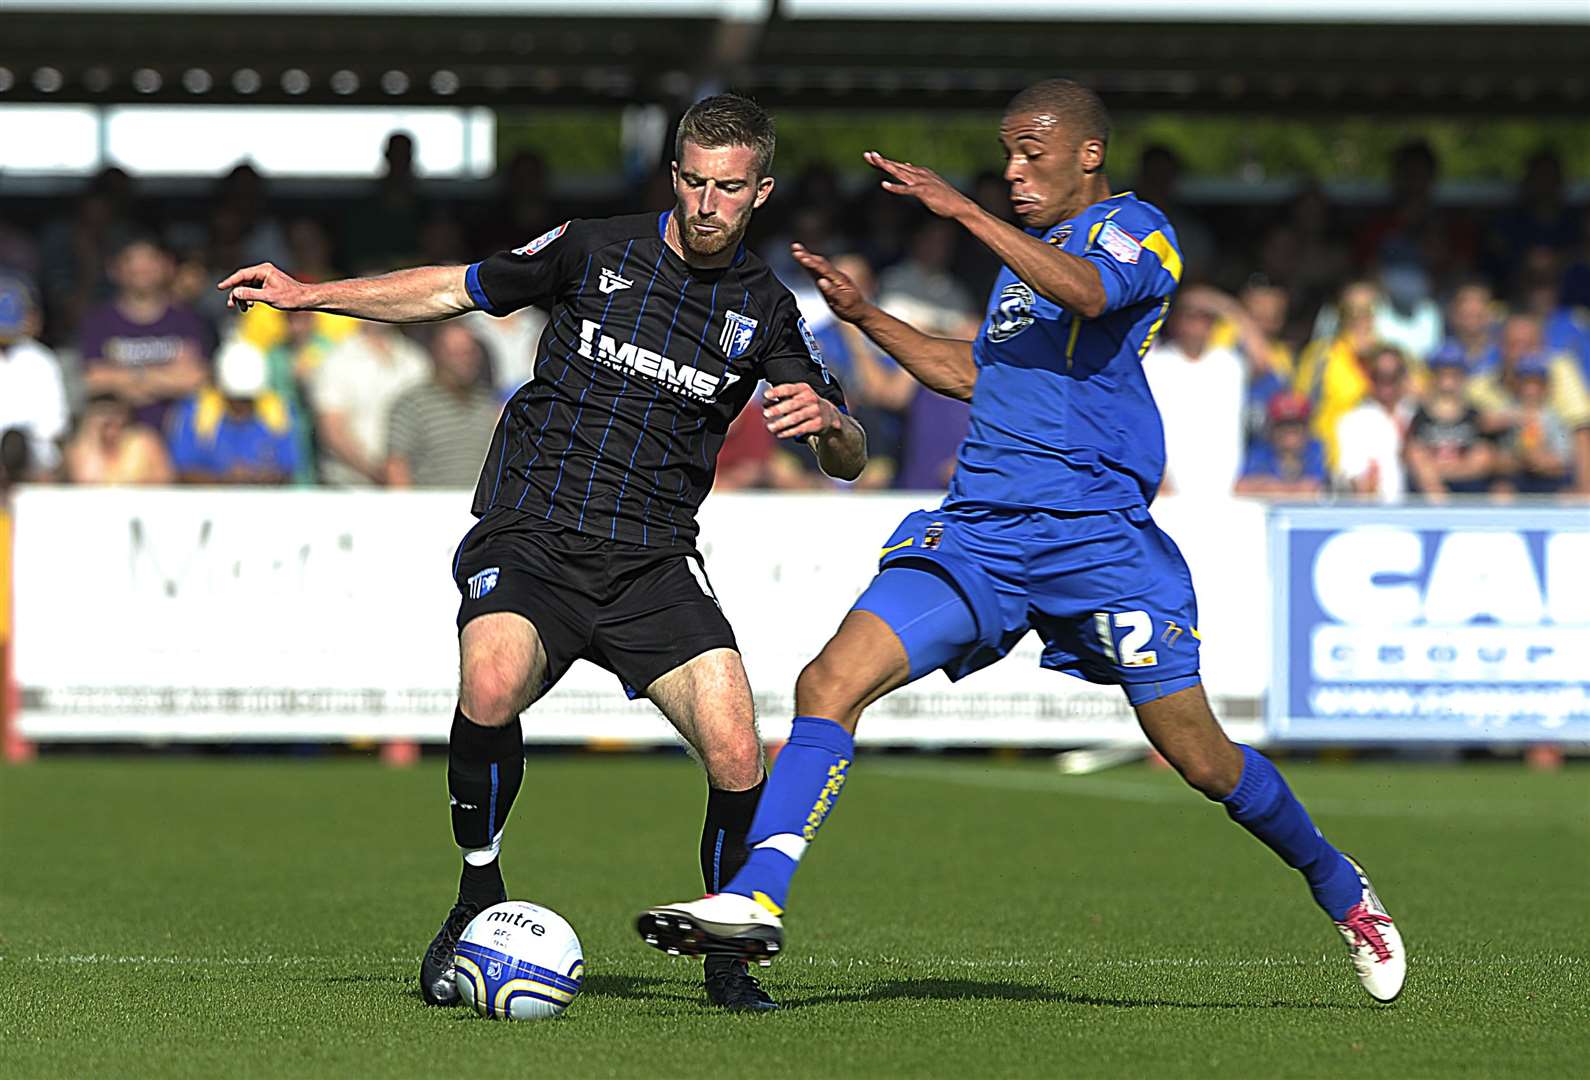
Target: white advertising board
(1453,624)
(223,614)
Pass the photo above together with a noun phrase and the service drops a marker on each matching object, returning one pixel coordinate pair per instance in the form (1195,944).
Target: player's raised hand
(265,284)
(924,185)
(795,411)
(836,286)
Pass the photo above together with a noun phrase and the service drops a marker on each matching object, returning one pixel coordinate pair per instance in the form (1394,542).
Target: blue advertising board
(1407,623)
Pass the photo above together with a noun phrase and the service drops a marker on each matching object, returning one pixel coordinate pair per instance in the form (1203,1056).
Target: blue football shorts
(1107,591)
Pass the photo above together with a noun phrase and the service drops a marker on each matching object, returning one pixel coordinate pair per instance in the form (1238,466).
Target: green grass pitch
(959,917)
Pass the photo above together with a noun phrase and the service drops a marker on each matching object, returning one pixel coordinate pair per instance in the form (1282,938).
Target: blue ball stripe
(517,969)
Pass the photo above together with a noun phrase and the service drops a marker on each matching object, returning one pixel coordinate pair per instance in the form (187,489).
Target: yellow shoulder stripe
(907,542)
(1169,257)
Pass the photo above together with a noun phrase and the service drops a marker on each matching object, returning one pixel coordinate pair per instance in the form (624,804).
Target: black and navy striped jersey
(643,365)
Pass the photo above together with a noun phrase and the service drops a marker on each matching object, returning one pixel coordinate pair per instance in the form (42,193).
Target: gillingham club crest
(737,333)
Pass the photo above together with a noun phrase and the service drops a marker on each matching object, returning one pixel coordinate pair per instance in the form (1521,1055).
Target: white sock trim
(484,856)
(787,843)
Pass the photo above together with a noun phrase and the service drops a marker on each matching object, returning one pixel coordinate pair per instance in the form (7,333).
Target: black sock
(481,886)
(723,850)
(485,767)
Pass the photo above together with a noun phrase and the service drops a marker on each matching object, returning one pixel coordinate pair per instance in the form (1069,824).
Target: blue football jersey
(1062,417)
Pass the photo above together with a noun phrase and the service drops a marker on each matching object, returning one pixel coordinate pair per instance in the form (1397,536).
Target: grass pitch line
(1509,814)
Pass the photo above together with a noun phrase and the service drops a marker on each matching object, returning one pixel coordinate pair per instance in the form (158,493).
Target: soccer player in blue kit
(1045,527)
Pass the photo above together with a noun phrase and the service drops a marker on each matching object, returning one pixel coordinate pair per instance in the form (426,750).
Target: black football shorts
(639,612)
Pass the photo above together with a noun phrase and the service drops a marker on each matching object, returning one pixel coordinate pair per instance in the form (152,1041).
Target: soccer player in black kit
(661,327)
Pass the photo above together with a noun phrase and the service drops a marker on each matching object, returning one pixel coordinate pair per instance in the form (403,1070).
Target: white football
(519,961)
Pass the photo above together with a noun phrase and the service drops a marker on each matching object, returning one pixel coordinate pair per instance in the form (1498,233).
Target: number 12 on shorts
(1138,627)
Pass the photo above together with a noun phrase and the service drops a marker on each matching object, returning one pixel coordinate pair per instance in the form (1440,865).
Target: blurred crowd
(1410,348)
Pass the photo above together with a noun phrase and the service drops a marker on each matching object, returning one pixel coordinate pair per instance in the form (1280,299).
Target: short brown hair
(1078,109)
(728,120)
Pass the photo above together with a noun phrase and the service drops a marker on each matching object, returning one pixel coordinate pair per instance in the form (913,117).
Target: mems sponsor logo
(632,359)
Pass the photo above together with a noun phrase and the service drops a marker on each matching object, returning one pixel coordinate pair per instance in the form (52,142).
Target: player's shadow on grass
(647,987)
(972,990)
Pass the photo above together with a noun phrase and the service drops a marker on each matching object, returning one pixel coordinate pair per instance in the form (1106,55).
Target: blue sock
(802,790)
(1266,807)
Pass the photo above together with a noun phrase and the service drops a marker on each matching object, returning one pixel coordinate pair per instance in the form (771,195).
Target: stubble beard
(706,245)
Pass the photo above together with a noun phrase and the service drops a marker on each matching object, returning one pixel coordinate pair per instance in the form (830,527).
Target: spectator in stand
(935,427)
(1471,322)
(522,208)
(242,232)
(1252,325)
(142,346)
(1576,278)
(1540,218)
(1448,450)
(882,224)
(1413,229)
(32,395)
(442,239)
(921,289)
(383,230)
(1538,450)
(1406,316)
(1304,252)
(1331,373)
(237,431)
(309,249)
(352,394)
(1159,182)
(19,252)
(290,367)
(510,343)
(1200,390)
(75,252)
(1496,392)
(440,430)
(1565,328)
(1290,461)
(746,460)
(1369,437)
(879,390)
(111,447)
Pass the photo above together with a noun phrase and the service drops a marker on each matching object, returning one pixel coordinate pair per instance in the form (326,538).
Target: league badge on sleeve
(1119,243)
(737,333)
(812,348)
(541,241)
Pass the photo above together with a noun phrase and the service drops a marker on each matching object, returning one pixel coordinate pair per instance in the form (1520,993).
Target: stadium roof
(1323,56)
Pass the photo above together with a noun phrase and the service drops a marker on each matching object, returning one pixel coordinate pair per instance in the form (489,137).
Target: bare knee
(860,664)
(1184,730)
(830,688)
(1213,770)
(491,692)
(733,761)
(501,667)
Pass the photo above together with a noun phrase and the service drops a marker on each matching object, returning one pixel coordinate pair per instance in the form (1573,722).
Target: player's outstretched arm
(943,365)
(423,294)
(1057,276)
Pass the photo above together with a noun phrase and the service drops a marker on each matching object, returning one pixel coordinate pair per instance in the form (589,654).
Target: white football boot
(724,924)
(1374,943)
